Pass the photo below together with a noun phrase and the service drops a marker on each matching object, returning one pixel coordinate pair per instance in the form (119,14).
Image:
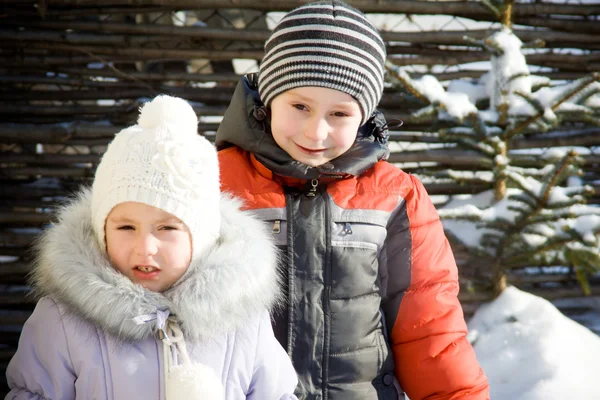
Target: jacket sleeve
(426,326)
(274,376)
(41,368)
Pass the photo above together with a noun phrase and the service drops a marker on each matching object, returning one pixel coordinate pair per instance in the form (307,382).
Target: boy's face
(148,245)
(313,124)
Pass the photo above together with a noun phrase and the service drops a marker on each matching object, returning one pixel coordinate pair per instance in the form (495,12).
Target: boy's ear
(376,126)
(251,82)
(253,79)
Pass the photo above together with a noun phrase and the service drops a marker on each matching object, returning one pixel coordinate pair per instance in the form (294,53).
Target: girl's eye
(168,228)
(125,228)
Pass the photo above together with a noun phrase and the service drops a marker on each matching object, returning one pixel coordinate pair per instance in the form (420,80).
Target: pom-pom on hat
(164,163)
(326,44)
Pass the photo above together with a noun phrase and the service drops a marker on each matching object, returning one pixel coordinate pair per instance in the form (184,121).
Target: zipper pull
(313,190)
(347,229)
(277,226)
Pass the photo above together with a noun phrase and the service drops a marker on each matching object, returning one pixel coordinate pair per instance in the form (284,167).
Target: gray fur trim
(233,282)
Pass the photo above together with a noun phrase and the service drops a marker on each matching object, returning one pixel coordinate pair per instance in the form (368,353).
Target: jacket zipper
(276,226)
(326,312)
(291,270)
(313,190)
(312,193)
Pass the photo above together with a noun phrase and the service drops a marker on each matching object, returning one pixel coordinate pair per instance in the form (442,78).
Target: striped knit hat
(326,44)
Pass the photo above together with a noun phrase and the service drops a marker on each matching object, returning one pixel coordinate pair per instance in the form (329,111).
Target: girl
(153,285)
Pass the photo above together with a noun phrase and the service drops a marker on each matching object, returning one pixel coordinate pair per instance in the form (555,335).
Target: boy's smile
(312,151)
(148,245)
(314,125)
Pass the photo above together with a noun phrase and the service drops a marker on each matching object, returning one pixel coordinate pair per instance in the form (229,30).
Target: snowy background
(530,351)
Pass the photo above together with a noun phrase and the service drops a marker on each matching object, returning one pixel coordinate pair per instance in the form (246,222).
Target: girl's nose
(146,244)
(317,129)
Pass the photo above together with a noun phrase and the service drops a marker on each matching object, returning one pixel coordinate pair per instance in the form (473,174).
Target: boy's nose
(317,129)
(146,244)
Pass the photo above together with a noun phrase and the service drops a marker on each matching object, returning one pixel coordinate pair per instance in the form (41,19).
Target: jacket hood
(246,125)
(221,291)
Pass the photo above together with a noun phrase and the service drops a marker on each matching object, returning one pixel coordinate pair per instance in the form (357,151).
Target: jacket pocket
(275,220)
(356,244)
(278,229)
(358,232)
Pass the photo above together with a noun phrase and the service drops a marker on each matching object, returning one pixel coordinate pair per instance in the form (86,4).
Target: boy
(154,285)
(372,285)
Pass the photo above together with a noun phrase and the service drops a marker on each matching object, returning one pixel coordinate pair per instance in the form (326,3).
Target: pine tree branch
(478,125)
(518,260)
(557,215)
(549,185)
(583,83)
(507,13)
(400,77)
(526,218)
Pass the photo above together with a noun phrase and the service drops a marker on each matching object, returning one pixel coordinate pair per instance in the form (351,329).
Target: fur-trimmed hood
(234,281)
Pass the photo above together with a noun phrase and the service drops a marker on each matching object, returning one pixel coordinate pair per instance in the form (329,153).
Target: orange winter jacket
(370,281)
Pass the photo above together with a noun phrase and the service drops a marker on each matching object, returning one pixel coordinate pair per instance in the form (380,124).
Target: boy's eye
(168,228)
(300,107)
(340,114)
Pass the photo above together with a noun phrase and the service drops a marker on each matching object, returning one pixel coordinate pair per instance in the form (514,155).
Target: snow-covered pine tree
(535,215)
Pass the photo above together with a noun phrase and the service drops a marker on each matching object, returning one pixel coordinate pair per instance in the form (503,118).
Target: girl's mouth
(144,272)
(146,268)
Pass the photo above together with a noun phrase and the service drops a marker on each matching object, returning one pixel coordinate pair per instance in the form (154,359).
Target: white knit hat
(164,163)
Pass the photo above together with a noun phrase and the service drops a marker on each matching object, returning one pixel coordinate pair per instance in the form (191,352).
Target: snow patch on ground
(530,351)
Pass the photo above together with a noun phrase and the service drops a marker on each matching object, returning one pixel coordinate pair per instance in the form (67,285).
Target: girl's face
(148,245)
(313,124)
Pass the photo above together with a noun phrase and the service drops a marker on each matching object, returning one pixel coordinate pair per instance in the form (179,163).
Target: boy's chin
(312,161)
(316,163)
(313,164)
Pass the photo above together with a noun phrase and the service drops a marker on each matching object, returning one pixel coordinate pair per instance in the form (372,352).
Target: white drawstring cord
(183,379)
(176,337)
(174,349)
(171,336)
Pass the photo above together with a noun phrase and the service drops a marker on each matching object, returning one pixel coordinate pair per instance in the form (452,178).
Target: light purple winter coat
(81,341)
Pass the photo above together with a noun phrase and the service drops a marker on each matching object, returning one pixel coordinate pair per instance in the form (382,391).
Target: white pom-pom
(194,381)
(167,110)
